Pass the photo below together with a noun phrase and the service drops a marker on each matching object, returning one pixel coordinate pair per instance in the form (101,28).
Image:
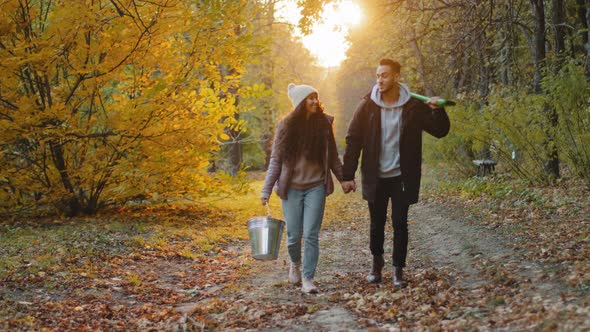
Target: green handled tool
(441,102)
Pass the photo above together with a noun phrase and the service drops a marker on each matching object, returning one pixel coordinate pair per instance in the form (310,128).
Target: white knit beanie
(297,93)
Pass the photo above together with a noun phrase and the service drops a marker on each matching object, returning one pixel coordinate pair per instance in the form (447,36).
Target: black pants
(390,188)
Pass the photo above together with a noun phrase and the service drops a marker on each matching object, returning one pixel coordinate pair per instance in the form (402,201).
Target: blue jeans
(304,211)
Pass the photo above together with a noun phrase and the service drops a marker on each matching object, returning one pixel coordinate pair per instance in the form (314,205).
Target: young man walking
(387,127)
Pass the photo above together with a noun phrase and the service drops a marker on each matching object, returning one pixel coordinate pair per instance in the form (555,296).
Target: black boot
(398,278)
(375,275)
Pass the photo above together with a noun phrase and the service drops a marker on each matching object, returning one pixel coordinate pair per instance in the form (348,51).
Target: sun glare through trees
(327,40)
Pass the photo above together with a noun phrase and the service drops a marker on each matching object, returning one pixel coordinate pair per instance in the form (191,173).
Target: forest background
(137,132)
(107,102)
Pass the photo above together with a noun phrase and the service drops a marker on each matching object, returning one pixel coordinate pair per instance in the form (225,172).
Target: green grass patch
(500,192)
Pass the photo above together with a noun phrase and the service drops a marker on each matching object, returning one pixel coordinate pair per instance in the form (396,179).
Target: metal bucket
(265,237)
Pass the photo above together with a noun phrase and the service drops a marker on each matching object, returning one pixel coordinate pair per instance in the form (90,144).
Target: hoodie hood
(404,96)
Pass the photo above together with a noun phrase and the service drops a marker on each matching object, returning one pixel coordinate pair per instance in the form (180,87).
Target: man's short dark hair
(394,65)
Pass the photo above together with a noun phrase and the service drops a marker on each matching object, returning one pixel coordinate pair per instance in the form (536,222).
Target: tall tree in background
(585,13)
(540,61)
(233,131)
(538,42)
(281,59)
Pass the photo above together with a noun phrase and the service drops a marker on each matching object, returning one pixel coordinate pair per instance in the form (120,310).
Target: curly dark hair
(305,135)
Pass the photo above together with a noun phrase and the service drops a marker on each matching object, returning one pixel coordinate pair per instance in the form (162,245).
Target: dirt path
(461,276)
(447,240)
(283,307)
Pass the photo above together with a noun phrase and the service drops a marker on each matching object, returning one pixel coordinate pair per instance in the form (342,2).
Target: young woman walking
(303,154)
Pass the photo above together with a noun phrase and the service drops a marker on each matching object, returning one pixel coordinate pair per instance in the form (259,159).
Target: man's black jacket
(364,134)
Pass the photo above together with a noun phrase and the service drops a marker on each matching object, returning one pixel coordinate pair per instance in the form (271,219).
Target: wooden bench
(484,166)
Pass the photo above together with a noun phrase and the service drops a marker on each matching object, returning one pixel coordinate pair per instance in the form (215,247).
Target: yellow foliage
(115,99)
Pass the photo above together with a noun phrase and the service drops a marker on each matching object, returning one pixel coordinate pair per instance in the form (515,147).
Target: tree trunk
(483,81)
(539,58)
(267,136)
(234,151)
(70,205)
(539,54)
(581,15)
(421,68)
(587,38)
(558,18)
(462,79)
(484,66)
(580,18)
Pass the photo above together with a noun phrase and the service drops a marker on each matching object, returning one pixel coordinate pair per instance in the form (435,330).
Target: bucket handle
(268,209)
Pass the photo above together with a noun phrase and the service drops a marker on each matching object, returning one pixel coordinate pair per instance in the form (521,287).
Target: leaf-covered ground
(130,269)
(475,263)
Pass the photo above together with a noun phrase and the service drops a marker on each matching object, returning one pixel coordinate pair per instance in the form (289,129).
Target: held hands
(348,186)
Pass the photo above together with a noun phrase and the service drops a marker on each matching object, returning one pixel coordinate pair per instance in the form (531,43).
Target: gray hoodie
(391,123)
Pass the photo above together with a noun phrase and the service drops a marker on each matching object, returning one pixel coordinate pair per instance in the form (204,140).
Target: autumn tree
(104,101)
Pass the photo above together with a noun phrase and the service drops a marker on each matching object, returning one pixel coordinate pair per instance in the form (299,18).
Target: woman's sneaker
(295,273)
(308,286)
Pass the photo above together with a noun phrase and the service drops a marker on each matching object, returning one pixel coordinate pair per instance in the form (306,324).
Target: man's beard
(385,88)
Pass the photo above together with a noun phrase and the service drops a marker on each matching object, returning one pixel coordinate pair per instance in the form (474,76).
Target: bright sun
(327,41)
